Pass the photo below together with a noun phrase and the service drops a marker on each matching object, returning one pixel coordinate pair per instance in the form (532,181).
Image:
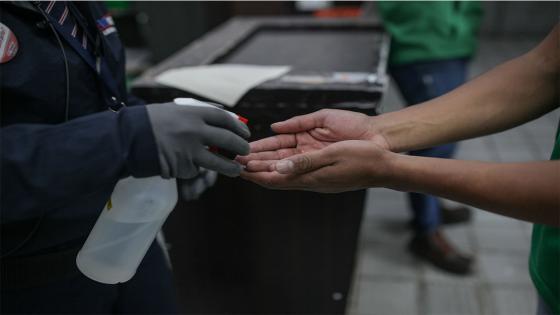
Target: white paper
(222,83)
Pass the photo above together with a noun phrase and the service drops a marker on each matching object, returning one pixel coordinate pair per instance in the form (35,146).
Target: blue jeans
(417,83)
(542,307)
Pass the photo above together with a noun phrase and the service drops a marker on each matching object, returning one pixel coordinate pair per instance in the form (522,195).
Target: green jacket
(544,263)
(429,31)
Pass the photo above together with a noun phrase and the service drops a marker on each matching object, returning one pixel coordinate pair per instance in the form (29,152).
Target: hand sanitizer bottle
(130,221)
(126,228)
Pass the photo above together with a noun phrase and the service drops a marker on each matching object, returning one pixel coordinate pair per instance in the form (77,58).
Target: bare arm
(319,151)
(513,93)
(528,191)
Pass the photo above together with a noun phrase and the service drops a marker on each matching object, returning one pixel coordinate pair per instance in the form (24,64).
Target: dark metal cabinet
(245,249)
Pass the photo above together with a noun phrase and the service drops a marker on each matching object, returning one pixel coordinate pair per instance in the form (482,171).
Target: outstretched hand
(341,166)
(309,133)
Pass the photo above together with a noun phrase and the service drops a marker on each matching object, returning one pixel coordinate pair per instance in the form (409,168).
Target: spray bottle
(129,222)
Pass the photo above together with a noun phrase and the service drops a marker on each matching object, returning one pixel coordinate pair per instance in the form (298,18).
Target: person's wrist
(379,171)
(138,136)
(386,170)
(398,167)
(376,133)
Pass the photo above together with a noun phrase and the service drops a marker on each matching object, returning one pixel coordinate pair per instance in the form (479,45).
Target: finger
(276,180)
(304,163)
(218,163)
(192,188)
(260,166)
(220,118)
(274,143)
(267,179)
(300,123)
(186,188)
(225,139)
(268,155)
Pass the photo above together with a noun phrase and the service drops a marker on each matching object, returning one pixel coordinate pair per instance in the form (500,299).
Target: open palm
(307,133)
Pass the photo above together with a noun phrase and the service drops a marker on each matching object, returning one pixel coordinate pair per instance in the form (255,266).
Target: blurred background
(385,278)
(154,30)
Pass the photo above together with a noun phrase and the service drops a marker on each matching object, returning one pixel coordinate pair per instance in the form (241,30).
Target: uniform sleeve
(133,100)
(45,166)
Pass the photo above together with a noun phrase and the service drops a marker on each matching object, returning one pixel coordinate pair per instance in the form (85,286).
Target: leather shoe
(436,249)
(454,215)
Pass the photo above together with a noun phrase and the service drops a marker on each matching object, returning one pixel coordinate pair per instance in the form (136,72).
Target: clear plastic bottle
(128,224)
(126,228)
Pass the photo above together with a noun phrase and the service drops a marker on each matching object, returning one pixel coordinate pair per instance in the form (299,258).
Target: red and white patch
(8,44)
(106,25)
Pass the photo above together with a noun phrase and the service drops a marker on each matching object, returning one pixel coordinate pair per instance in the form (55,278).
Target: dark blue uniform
(57,173)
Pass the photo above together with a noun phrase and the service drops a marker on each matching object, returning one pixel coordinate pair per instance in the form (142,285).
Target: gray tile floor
(389,281)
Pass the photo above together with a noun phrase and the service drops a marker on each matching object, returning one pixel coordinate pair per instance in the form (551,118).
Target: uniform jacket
(56,175)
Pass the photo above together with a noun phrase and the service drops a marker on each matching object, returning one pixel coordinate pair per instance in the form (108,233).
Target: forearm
(43,167)
(526,191)
(511,94)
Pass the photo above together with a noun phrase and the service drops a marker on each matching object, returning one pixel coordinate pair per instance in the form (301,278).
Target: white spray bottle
(128,224)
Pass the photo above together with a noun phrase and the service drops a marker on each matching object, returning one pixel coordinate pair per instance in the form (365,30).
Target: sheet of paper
(222,83)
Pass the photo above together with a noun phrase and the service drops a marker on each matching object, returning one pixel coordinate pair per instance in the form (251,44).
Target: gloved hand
(191,189)
(184,133)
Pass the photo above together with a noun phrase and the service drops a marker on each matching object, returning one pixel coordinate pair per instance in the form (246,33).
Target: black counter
(243,249)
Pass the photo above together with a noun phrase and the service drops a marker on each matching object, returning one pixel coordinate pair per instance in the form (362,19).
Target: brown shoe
(454,215)
(435,249)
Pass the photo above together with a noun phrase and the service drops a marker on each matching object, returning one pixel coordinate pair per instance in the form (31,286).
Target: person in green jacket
(431,43)
(334,151)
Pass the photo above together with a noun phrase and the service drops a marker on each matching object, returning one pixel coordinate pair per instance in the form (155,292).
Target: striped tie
(59,12)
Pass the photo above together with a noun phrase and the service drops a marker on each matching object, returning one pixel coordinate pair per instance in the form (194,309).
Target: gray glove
(191,189)
(184,133)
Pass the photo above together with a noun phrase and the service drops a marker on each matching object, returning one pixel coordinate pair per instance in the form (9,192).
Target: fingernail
(285,167)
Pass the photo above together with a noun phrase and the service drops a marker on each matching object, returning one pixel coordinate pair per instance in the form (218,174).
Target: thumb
(300,123)
(302,163)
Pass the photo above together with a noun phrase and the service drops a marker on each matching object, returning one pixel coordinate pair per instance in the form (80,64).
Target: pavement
(388,280)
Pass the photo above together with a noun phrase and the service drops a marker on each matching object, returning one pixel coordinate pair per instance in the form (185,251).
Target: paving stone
(474,149)
(516,154)
(527,228)
(519,300)
(497,240)
(435,275)
(538,148)
(492,148)
(387,261)
(385,231)
(511,137)
(447,298)
(385,203)
(499,269)
(513,146)
(554,116)
(485,218)
(353,293)
(387,298)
